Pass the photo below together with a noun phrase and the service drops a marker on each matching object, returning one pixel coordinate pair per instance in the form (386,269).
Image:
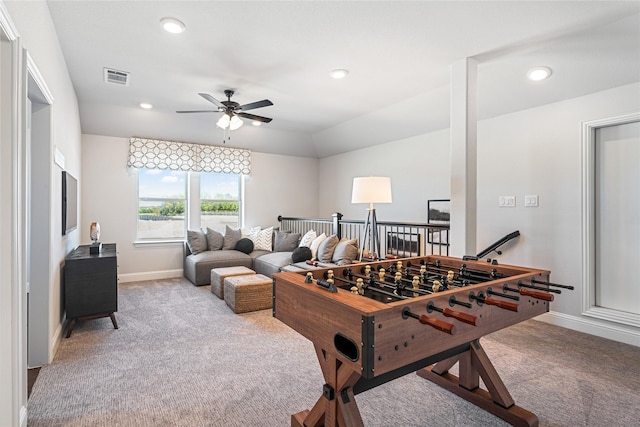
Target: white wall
(278,185)
(418,166)
(537,152)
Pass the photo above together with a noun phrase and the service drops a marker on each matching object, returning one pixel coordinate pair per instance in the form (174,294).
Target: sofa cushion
(326,248)
(245,245)
(301,253)
(308,237)
(231,237)
(196,241)
(215,240)
(197,267)
(346,251)
(262,240)
(285,242)
(315,244)
(271,263)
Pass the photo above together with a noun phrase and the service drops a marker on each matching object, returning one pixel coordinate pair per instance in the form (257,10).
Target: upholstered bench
(219,274)
(250,292)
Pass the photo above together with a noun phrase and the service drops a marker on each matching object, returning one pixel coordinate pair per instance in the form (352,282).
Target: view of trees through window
(162,203)
(219,201)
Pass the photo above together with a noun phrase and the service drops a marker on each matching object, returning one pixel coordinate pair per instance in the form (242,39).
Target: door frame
(589,307)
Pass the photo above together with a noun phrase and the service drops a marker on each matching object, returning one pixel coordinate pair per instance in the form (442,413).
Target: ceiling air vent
(116,77)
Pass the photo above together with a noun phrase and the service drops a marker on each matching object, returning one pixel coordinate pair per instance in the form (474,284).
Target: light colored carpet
(182,358)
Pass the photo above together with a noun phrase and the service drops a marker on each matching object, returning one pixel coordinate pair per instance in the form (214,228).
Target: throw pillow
(215,240)
(196,241)
(315,244)
(285,242)
(231,237)
(300,254)
(245,245)
(345,252)
(308,237)
(326,248)
(262,240)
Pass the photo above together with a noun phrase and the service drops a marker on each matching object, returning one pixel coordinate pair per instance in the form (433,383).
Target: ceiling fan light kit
(230,120)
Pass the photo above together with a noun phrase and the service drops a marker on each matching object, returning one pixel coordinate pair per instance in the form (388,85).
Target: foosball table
(373,322)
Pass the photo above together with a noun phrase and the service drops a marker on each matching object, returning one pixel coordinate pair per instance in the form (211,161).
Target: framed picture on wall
(439,211)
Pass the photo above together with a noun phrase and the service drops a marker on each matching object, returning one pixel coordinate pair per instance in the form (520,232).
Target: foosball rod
(372,281)
(526,292)
(538,288)
(556,285)
(481,299)
(368,286)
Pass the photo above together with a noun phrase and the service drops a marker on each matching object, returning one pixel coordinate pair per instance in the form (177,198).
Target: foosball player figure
(308,278)
(381,277)
(416,284)
(436,286)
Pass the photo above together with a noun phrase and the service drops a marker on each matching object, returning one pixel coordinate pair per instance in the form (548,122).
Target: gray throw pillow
(285,241)
(215,240)
(231,237)
(326,248)
(196,241)
(345,252)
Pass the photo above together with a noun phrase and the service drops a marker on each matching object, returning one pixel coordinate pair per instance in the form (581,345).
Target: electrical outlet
(507,201)
(531,200)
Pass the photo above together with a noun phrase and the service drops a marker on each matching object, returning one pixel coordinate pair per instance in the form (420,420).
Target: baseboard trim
(592,327)
(150,275)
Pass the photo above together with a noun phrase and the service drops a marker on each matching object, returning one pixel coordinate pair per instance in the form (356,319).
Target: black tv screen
(69,203)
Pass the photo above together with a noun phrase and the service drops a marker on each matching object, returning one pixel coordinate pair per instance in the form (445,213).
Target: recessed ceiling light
(539,73)
(339,73)
(172,25)
(256,123)
(146,105)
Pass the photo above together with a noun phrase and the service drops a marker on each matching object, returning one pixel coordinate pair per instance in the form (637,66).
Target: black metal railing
(401,239)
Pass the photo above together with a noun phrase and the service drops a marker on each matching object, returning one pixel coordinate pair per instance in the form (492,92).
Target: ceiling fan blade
(254,117)
(212,100)
(257,104)
(199,111)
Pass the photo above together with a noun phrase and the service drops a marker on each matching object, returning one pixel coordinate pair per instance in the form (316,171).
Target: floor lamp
(371,189)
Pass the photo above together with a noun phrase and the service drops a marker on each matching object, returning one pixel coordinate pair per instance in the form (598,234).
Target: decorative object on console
(94,234)
(371,189)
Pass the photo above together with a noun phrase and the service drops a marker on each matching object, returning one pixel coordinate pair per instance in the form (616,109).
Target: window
(219,200)
(161,204)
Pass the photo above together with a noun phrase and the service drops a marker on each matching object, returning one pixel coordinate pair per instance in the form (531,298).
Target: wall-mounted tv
(69,203)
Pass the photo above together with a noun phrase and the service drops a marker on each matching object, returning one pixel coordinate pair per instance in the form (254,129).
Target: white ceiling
(399,55)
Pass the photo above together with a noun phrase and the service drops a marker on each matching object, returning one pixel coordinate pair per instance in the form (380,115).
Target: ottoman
(219,274)
(248,293)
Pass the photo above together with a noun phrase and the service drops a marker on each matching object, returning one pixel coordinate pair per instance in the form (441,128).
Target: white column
(463,157)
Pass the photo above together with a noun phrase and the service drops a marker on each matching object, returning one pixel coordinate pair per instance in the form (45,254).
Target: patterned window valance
(158,154)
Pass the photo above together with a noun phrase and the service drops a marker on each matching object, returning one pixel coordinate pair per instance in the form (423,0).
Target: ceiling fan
(232,110)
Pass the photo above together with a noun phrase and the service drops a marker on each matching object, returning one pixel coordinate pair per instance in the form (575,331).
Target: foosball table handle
(506,305)
(436,323)
(536,294)
(463,317)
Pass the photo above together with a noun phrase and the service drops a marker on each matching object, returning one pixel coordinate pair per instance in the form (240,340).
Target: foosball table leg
(337,406)
(472,365)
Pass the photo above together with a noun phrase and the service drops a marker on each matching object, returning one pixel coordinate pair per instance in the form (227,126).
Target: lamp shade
(371,189)
(224,121)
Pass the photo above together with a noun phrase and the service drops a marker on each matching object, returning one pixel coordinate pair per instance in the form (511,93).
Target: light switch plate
(531,200)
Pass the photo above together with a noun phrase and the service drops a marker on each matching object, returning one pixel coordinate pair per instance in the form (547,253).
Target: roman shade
(158,154)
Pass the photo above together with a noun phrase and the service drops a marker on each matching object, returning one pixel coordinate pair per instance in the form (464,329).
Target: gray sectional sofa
(204,251)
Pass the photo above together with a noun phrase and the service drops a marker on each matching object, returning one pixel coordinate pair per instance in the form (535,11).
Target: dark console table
(91,284)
